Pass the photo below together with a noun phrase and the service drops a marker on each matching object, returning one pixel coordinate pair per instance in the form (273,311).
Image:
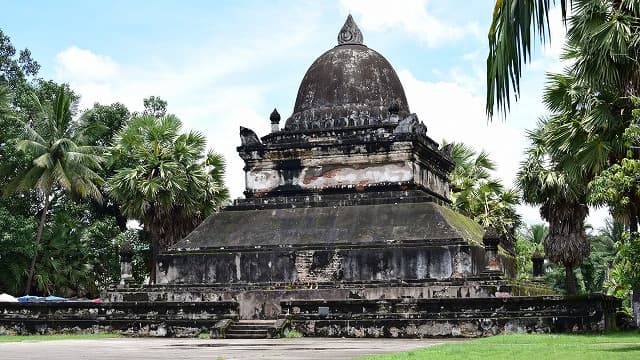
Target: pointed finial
(350,33)
(275,120)
(275,116)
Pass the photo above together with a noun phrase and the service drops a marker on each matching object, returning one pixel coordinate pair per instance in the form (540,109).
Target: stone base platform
(472,317)
(174,319)
(263,300)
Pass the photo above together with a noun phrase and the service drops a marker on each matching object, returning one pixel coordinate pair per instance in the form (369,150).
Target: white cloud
(84,65)
(452,111)
(558,32)
(412,16)
(199,87)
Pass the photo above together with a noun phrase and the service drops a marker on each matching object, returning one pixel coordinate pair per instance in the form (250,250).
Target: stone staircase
(251,329)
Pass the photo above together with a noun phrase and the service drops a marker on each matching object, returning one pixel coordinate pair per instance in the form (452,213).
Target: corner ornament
(350,33)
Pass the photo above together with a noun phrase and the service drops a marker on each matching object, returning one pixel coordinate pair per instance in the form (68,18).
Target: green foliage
(78,238)
(16,248)
(294,334)
(100,123)
(625,275)
(59,160)
(479,196)
(511,38)
(141,261)
(170,184)
(620,345)
(528,241)
(14,70)
(154,106)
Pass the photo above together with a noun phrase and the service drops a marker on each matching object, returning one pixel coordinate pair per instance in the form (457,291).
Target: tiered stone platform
(452,317)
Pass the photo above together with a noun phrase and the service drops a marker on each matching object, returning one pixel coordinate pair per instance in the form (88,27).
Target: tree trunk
(633,212)
(570,280)
(155,244)
(32,268)
(635,305)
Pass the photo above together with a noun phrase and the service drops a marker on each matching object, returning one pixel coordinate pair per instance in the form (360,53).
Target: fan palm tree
(477,195)
(59,161)
(562,201)
(603,44)
(168,183)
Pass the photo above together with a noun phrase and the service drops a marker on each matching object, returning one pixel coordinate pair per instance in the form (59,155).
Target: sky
(225,64)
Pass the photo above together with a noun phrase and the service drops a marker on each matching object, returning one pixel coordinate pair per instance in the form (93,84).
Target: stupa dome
(349,85)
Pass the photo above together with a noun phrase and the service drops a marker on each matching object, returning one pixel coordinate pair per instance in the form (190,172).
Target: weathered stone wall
(262,301)
(470,317)
(400,262)
(347,160)
(176,319)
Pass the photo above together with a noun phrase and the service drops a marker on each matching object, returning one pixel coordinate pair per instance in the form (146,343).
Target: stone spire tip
(350,33)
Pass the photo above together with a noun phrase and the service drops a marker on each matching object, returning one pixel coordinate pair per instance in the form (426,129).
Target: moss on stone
(470,230)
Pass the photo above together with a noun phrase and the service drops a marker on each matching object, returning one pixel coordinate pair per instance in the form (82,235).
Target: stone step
(246,336)
(250,329)
(233,331)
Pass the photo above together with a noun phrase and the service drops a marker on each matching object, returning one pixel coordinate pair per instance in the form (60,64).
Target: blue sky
(222,64)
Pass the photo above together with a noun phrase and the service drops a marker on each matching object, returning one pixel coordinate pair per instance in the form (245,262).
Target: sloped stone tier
(422,223)
(470,317)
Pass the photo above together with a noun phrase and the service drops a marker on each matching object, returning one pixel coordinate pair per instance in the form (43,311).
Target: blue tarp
(30,298)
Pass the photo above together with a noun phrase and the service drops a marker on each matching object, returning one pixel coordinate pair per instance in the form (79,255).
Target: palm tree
(476,194)
(603,43)
(511,36)
(167,181)
(562,201)
(59,161)
(536,233)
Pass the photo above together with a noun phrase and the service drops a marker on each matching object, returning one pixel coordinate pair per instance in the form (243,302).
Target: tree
(15,70)
(154,106)
(477,195)
(528,241)
(603,36)
(100,123)
(59,162)
(562,201)
(511,35)
(168,183)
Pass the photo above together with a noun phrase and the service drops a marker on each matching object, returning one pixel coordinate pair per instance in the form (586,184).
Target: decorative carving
(350,33)
(410,125)
(448,150)
(248,137)
(491,239)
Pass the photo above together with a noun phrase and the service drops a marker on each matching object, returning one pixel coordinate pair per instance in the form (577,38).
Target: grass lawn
(16,338)
(612,346)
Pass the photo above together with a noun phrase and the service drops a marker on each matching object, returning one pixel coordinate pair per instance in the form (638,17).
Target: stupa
(346,228)
(348,199)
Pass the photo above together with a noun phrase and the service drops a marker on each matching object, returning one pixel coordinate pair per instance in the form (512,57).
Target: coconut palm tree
(167,181)
(59,161)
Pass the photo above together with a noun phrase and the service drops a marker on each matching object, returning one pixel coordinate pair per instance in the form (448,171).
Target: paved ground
(175,349)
